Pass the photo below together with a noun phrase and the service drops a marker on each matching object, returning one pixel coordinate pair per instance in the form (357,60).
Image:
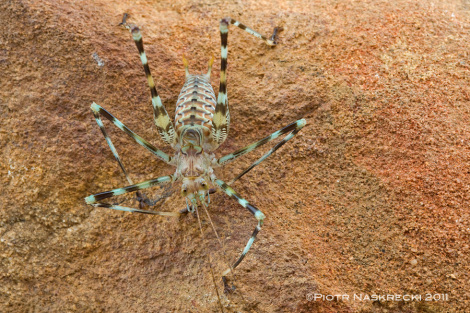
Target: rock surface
(372,196)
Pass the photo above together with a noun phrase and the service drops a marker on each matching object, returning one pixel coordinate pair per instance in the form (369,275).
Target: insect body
(201,125)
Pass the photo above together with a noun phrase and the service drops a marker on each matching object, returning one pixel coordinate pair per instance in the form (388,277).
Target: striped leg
(221,119)
(270,42)
(257,213)
(140,197)
(108,140)
(93,199)
(162,120)
(98,111)
(293,128)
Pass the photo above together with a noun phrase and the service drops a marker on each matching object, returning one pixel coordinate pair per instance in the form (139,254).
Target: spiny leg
(116,155)
(221,119)
(293,128)
(121,191)
(297,125)
(96,112)
(258,215)
(162,120)
(270,42)
(93,199)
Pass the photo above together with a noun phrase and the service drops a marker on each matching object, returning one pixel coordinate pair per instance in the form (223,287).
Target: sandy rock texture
(372,196)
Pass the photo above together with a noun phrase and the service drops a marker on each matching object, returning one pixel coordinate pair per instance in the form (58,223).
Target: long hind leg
(162,120)
(221,119)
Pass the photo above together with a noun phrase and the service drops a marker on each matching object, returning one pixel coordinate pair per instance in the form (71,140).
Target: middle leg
(292,129)
(97,111)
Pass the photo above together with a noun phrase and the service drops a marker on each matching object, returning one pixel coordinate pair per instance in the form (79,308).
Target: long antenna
(210,262)
(220,242)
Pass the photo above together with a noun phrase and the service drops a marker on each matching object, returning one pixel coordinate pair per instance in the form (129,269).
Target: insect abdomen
(196,104)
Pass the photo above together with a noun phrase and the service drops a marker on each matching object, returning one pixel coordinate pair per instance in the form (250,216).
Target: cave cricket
(201,125)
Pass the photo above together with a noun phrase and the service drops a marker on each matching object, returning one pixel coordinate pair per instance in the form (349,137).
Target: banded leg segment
(257,213)
(98,111)
(293,128)
(221,118)
(93,199)
(270,42)
(140,197)
(121,191)
(96,114)
(162,120)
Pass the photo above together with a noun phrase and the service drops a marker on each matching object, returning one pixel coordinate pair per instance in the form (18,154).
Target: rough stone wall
(372,197)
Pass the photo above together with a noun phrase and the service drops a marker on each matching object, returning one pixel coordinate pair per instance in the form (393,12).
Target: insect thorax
(194,169)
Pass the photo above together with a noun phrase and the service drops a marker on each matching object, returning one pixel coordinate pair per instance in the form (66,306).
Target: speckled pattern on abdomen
(196,104)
